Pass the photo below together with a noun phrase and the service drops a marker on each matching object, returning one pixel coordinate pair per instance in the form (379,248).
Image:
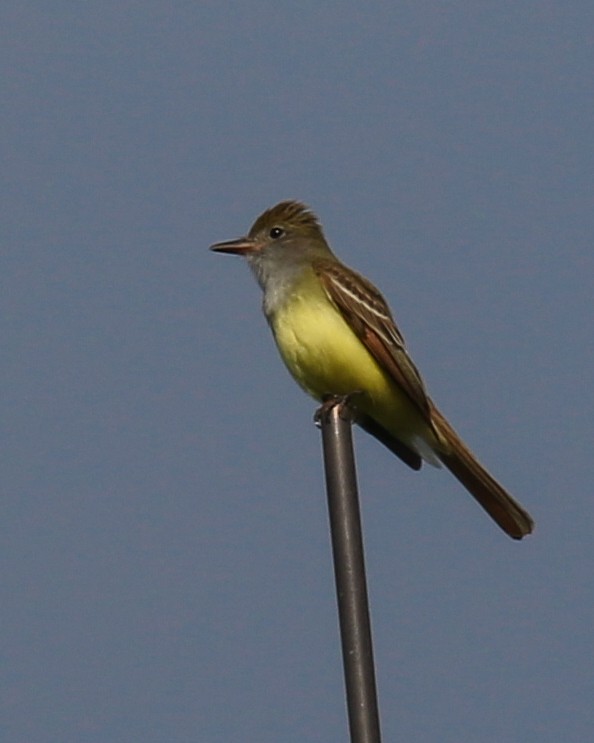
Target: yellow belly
(326,357)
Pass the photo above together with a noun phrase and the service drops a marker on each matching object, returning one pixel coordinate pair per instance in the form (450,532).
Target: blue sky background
(166,570)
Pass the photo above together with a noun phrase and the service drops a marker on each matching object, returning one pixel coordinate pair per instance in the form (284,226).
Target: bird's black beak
(240,246)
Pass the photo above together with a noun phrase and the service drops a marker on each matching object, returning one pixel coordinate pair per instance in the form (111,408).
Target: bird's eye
(276,232)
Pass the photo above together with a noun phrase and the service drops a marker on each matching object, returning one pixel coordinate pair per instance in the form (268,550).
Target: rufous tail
(466,468)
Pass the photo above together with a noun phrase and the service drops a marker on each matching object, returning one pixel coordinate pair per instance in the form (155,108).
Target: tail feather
(465,467)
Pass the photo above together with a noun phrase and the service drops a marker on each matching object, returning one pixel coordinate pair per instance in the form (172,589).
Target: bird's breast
(326,357)
(322,352)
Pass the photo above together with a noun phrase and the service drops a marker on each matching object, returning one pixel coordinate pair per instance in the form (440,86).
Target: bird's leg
(330,401)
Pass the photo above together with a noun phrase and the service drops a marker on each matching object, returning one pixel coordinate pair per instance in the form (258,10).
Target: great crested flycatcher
(336,335)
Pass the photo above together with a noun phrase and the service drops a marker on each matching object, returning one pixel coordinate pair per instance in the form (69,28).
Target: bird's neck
(279,281)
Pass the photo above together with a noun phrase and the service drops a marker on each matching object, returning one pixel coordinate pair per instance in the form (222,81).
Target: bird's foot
(342,402)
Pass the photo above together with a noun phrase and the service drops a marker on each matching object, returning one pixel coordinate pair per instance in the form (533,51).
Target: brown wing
(368,314)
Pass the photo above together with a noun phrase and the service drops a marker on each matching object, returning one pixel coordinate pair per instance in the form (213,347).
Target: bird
(337,337)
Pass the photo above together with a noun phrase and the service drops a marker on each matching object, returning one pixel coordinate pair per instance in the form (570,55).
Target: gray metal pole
(349,570)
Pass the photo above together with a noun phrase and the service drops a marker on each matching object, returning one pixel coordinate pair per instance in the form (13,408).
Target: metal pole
(349,570)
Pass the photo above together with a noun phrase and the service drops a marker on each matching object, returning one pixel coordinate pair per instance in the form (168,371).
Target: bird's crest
(289,213)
